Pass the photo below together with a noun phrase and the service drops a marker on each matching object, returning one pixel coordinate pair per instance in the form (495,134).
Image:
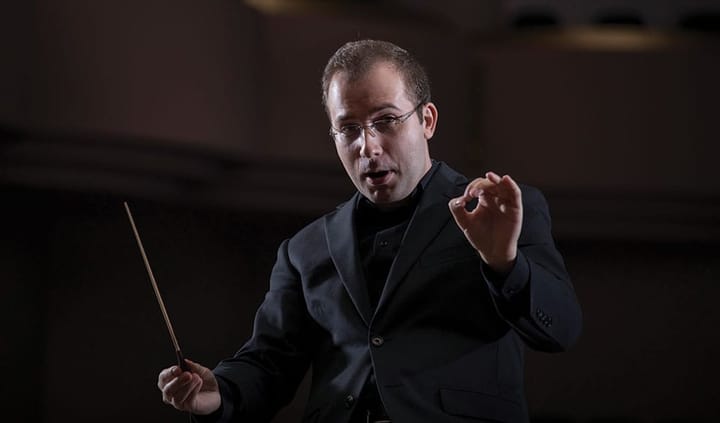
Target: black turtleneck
(380,233)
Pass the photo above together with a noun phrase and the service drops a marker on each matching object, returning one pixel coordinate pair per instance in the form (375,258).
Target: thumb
(457,209)
(197,368)
(207,376)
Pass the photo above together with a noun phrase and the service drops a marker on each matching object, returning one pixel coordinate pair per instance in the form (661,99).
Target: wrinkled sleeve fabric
(536,297)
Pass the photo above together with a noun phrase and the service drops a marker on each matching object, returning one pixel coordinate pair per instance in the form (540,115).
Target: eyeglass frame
(393,120)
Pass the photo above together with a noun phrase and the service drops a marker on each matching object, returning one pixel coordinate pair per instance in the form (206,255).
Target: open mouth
(379,174)
(378,177)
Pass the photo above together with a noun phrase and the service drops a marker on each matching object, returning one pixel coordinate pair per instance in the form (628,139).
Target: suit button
(384,243)
(377,341)
(349,401)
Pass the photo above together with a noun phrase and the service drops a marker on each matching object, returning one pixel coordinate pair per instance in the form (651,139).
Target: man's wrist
(500,266)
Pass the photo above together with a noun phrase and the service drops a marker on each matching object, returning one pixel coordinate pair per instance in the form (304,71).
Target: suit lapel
(343,246)
(431,215)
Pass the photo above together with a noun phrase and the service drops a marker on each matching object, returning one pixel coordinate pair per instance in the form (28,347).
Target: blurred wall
(207,117)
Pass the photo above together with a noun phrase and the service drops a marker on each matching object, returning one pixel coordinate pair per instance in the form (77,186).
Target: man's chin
(379,195)
(386,199)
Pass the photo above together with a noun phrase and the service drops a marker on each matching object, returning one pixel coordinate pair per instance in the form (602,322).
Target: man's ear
(430,117)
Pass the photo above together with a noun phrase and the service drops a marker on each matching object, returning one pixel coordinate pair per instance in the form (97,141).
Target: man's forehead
(389,70)
(382,85)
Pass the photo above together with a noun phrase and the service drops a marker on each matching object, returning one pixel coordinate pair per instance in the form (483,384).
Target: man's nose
(371,145)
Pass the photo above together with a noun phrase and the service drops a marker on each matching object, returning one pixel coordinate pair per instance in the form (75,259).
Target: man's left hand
(493,226)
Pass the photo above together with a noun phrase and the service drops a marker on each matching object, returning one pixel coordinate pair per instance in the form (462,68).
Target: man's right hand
(195,391)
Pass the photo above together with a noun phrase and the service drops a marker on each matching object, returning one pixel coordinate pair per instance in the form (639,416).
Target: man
(413,300)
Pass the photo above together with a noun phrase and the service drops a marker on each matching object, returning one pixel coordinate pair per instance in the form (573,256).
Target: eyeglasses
(386,125)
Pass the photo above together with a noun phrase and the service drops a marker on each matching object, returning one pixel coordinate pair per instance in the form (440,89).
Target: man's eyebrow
(383,106)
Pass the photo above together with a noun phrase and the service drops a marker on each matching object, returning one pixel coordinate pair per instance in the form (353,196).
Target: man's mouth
(378,177)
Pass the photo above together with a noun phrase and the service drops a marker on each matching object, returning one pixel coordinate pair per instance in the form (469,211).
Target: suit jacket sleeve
(264,374)
(536,298)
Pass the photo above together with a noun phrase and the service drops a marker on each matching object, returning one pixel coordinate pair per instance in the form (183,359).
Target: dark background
(206,117)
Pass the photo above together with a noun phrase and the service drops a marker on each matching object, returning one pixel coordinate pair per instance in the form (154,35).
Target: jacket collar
(430,216)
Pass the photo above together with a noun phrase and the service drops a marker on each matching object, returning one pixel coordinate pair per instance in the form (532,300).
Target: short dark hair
(356,57)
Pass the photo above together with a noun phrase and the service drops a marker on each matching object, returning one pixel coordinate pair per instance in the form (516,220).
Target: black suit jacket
(446,340)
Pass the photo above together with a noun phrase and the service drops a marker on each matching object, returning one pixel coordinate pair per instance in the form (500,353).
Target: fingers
(197,386)
(494,177)
(503,187)
(476,187)
(176,384)
(493,190)
(457,209)
(179,387)
(204,373)
(492,185)
(184,397)
(196,368)
(166,375)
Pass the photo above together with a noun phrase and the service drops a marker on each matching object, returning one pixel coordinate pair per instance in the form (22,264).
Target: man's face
(385,167)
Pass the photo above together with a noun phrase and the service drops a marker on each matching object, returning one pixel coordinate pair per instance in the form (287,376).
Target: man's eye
(384,122)
(349,129)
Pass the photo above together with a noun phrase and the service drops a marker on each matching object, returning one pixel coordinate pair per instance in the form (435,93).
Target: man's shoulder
(531,194)
(447,175)
(317,227)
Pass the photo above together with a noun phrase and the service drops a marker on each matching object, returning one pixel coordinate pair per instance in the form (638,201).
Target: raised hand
(195,391)
(493,226)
